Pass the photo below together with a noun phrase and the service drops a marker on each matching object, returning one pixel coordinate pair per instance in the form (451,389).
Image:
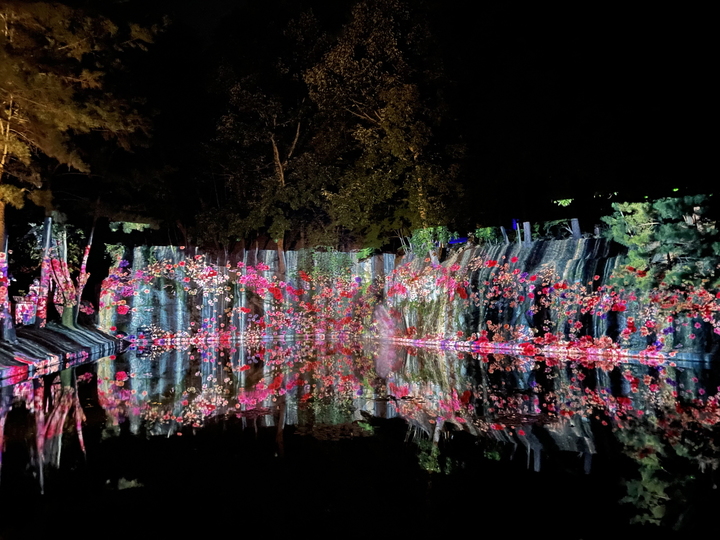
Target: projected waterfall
(555,297)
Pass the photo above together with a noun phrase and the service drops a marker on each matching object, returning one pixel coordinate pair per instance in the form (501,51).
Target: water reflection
(648,430)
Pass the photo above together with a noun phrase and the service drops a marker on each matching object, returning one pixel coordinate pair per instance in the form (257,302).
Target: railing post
(528,234)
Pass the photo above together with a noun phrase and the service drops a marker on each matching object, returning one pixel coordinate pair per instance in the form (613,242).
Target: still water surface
(366,438)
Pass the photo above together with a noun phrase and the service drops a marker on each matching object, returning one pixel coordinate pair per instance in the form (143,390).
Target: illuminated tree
(53,73)
(333,138)
(380,84)
(266,156)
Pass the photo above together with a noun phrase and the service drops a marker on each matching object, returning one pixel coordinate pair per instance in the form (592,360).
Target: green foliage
(333,410)
(394,174)
(365,253)
(53,75)
(648,497)
(68,242)
(552,230)
(271,155)
(332,263)
(660,487)
(335,136)
(127,227)
(12,195)
(425,240)
(325,262)
(428,456)
(115,251)
(632,224)
(671,240)
(487,234)
(27,251)
(563,202)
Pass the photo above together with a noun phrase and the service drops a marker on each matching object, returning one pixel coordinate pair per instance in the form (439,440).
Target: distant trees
(263,157)
(332,137)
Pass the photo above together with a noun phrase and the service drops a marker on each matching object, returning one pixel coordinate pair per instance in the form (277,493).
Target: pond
(358,438)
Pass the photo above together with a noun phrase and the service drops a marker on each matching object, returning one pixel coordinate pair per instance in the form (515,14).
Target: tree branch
(6,139)
(276,159)
(364,116)
(292,146)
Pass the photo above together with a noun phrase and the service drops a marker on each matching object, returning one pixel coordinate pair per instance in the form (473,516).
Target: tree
(53,71)
(334,138)
(381,84)
(267,169)
(672,240)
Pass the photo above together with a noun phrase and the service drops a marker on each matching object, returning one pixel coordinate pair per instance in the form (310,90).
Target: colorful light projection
(481,305)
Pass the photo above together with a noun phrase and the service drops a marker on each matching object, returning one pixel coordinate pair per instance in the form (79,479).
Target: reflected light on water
(643,436)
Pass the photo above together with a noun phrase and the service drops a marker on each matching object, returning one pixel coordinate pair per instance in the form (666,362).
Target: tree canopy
(263,154)
(55,61)
(334,135)
(381,83)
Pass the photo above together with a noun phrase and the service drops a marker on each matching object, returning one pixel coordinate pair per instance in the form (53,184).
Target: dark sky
(609,99)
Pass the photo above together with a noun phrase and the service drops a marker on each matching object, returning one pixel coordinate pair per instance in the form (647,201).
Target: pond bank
(40,351)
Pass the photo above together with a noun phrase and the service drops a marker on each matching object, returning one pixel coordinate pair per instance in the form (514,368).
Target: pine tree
(674,241)
(53,71)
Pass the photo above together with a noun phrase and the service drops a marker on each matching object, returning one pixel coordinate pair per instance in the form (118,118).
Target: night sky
(577,103)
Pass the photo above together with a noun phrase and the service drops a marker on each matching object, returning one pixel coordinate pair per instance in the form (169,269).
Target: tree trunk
(69,316)
(422,207)
(278,164)
(66,292)
(45,277)
(7,327)
(2,217)
(5,132)
(84,275)
(281,257)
